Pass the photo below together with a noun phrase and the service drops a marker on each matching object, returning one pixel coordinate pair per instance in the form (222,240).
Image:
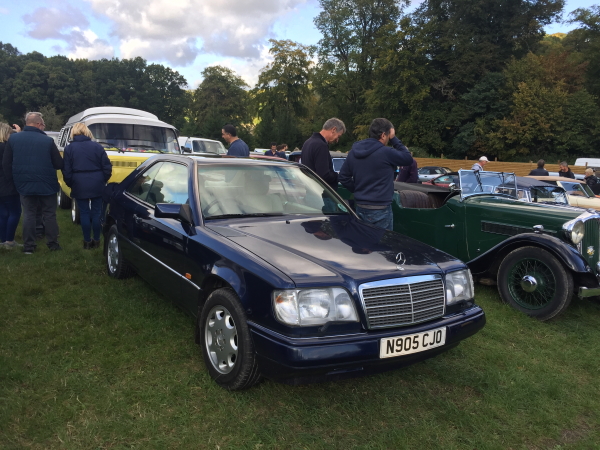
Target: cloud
(178,30)
(70,26)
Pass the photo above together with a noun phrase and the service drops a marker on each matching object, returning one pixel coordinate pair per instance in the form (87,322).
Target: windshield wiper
(147,147)
(229,216)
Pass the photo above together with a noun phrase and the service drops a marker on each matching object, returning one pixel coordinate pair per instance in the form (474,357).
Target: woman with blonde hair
(86,171)
(10,202)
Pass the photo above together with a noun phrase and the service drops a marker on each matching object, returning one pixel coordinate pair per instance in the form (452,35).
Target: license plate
(412,343)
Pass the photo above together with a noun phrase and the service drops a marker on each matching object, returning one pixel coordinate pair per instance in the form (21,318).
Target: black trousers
(48,204)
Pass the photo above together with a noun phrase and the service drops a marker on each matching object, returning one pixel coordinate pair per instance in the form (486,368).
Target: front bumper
(588,292)
(305,360)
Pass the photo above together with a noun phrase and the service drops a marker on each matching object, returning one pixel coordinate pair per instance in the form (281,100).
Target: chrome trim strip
(400,282)
(159,261)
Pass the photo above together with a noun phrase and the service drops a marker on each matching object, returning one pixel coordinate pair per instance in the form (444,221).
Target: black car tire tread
(64,202)
(563,278)
(246,373)
(123,269)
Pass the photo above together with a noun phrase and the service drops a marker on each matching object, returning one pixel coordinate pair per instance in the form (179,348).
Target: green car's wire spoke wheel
(531,283)
(535,282)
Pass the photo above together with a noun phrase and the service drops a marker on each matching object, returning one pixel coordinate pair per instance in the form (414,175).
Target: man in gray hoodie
(369,173)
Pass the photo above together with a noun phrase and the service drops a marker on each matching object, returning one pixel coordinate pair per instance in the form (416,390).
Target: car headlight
(309,307)
(576,233)
(459,286)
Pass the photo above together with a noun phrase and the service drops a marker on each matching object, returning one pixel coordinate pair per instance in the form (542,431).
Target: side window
(142,185)
(170,185)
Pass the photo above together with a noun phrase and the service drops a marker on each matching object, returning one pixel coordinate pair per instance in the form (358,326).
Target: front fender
(568,255)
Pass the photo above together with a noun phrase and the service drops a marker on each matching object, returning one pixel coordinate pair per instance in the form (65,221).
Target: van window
(128,137)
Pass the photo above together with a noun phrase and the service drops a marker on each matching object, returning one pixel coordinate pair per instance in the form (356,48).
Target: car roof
(209,158)
(553,178)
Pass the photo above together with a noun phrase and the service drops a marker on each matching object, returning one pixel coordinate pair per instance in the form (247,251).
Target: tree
(221,98)
(282,93)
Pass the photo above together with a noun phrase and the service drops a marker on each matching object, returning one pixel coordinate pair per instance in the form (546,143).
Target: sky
(186,35)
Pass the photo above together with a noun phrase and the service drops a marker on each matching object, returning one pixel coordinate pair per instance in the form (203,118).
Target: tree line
(457,78)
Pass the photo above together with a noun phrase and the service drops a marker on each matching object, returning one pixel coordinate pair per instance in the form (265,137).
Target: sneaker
(55,248)
(12,244)
(28,251)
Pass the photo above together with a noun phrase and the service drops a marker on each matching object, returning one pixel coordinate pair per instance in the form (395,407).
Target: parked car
(579,193)
(284,280)
(129,136)
(444,180)
(202,145)
(427,173)
(539,253)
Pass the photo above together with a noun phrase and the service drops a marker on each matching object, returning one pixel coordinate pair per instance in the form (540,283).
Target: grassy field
(90,362)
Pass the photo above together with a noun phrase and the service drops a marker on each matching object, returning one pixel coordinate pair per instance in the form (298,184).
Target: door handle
(449,226)
(137,219)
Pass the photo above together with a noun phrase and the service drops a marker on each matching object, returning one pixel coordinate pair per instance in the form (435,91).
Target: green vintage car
(539,253)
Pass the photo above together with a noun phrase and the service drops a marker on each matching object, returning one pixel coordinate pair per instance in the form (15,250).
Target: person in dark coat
(592,180)
(10,203)
(540,171)
(315,151)
(237,147)
(368,173)
(281,148)
(409,174)
(564,171)
(87,169)
(30,161)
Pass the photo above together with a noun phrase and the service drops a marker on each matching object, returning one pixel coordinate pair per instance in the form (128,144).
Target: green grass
(91,362)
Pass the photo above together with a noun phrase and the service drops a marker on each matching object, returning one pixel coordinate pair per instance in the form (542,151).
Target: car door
(165,240)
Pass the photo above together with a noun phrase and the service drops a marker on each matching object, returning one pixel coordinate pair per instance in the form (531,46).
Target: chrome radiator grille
(591,238)
(402,301)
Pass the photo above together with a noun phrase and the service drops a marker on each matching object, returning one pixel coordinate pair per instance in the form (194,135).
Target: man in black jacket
(540,171)
(369,173)
(31,160)
(564,171)
(315,151)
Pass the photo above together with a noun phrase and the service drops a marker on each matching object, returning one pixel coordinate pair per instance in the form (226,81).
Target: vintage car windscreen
(481,182)
(127,137)
(245,190)
(580,189)
(548,194)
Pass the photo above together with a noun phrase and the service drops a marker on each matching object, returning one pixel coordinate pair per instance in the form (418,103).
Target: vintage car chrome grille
(402,301)
(591,243)
(501,228)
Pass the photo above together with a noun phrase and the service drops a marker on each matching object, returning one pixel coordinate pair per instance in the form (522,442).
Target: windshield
(199,146)
(580,189)
(249,190)
(548,194)
(338,163)
(480,182)
(127,137)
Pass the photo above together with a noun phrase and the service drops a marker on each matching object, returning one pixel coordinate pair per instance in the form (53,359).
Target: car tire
(63,200)
(227,346)
(533,281)
(116,266)
(75,213)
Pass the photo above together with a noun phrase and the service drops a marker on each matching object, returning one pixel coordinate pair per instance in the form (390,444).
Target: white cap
(483,158)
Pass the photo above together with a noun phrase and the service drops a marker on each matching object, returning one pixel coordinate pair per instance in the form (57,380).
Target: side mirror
(174,211)
(186,149)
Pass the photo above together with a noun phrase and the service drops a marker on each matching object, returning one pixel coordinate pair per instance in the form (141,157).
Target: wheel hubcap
(112,253)
(528,283)
(221,339)
(531,283)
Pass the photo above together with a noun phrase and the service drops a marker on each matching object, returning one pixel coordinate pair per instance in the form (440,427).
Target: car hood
(334,249)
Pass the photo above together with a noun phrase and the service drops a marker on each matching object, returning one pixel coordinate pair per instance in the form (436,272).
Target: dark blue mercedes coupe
(283,278)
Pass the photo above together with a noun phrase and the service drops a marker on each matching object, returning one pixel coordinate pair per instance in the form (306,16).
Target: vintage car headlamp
(310,307)
(459,286)
(576,233)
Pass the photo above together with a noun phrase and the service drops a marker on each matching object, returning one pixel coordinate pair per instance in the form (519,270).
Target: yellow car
(578,193)
(129,136)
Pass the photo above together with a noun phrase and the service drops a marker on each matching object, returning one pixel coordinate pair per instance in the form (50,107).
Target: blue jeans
(90,218)
(382,218)
(10,214)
